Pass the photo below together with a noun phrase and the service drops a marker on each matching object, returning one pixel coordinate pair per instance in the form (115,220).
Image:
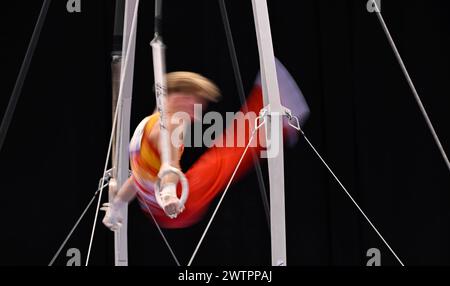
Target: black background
(363,119)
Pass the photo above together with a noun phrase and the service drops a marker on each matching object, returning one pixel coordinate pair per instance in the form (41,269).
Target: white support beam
(274,132)
(121,170)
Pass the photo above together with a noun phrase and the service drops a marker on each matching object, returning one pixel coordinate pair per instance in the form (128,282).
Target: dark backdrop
(363,119)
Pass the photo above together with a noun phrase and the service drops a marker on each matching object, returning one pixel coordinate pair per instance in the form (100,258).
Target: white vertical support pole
(121,171)
(274,132)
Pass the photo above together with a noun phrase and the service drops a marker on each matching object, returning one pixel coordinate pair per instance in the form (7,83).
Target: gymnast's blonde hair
(183,81)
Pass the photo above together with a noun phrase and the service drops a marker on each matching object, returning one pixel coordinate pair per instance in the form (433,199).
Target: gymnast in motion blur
(209,175)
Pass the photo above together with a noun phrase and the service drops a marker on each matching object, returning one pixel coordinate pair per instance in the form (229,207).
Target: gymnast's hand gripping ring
(166,170)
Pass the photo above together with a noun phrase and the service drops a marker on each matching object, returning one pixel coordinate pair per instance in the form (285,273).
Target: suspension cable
(411,85)
(257,126)
(63,244)
(162,235)
(294,122)
(7,117)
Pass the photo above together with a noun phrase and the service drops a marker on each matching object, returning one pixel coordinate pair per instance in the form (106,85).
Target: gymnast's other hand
(114,214)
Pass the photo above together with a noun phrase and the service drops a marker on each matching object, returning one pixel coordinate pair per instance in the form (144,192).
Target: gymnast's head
(185,89)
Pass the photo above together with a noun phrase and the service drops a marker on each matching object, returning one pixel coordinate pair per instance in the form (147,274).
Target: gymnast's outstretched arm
(127,192)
